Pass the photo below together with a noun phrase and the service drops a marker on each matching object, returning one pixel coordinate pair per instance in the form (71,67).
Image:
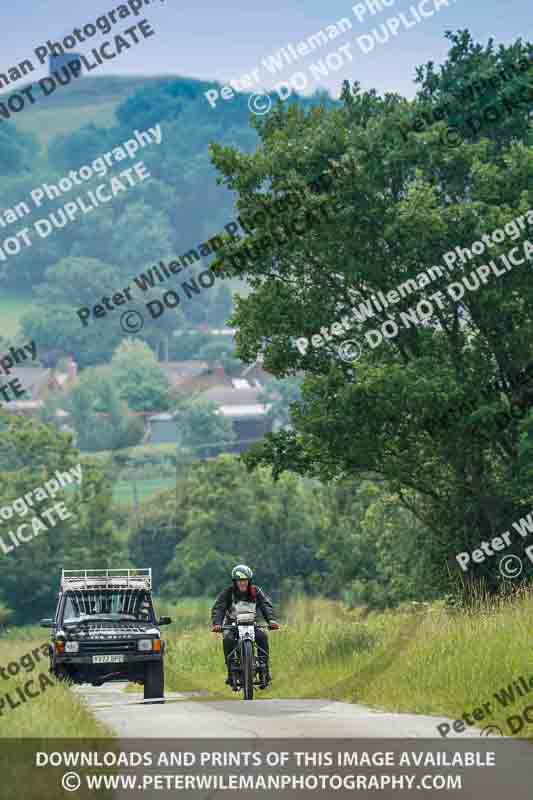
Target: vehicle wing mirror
(47,623)
(165,620)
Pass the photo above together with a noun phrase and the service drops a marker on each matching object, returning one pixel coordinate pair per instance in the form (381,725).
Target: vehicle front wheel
(60,673)
(154,681)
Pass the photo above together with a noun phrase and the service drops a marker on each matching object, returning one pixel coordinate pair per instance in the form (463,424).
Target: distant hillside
(85,101)
(184,205)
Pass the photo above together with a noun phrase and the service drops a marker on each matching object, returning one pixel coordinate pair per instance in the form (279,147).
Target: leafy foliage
(201,428)
(281,394)
(433,411)
(140,380)
(101,420)
(340,541)
(18,151)
(29,576)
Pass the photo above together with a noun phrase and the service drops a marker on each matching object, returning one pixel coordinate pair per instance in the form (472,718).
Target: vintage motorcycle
(247,667)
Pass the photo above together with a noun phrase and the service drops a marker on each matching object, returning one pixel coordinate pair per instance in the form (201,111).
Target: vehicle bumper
(87,660)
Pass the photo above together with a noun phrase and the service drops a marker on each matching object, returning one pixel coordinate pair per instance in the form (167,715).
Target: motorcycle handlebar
(228,627)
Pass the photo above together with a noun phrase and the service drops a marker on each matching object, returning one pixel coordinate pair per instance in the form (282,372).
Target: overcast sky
(215,40)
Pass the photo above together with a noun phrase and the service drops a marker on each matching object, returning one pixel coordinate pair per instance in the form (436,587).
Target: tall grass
(458,660)
(321,643)
(420,658)
(55,712)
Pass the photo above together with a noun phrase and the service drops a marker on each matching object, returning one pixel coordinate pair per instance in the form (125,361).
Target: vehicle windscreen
(125,604)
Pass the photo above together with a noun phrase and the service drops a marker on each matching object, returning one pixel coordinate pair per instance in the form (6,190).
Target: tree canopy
(29,577)
(434,410)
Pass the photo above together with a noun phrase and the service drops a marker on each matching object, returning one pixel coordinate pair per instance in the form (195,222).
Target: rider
(223,612)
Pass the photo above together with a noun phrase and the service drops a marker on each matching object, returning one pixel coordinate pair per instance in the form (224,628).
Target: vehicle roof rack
(76,579)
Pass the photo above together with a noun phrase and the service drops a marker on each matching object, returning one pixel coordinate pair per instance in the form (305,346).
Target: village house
(237,399)
(39,383)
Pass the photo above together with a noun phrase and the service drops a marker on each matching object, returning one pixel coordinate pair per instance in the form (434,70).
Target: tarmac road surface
(268,725)
(178,717)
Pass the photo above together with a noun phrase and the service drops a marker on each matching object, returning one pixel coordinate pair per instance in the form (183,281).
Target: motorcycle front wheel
(248,669)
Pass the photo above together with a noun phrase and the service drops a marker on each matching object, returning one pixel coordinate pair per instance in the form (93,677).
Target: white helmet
(241,573)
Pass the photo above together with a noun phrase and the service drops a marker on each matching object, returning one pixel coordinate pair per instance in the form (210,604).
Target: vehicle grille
(107,646)
(115,630)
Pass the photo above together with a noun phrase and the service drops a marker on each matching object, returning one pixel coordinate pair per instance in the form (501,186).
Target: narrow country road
(275,725)
(179,717)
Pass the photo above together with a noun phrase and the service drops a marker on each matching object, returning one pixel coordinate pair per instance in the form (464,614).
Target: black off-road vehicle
(105,629)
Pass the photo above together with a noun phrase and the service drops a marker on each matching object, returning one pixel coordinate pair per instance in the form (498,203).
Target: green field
(48,122)
(124,491)
(87,101)
(12,306)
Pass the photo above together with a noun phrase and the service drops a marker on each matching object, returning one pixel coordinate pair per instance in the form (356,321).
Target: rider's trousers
(230,642)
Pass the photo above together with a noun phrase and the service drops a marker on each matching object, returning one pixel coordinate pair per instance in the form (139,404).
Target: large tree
(435,411)
(201,430)
(102,421)
(140,380)
(29,576)
(72,284)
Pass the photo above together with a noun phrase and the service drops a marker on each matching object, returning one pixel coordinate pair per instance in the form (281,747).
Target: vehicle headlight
(144,644)
(72,647)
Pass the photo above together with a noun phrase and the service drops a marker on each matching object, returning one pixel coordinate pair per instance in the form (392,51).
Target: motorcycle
(247,667)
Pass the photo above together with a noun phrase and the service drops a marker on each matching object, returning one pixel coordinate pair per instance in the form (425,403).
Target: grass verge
(54,711)
(27,723)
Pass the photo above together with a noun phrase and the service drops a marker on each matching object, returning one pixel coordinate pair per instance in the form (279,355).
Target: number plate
(247,632)
(108,659)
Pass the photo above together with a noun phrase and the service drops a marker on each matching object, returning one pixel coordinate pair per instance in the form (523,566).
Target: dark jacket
(225,599)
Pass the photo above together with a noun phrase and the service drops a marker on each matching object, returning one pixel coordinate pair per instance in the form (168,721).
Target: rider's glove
(217,628)
(274,626)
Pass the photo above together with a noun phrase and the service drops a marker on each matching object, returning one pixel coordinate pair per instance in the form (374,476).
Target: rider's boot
(228,679)
(265,674)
